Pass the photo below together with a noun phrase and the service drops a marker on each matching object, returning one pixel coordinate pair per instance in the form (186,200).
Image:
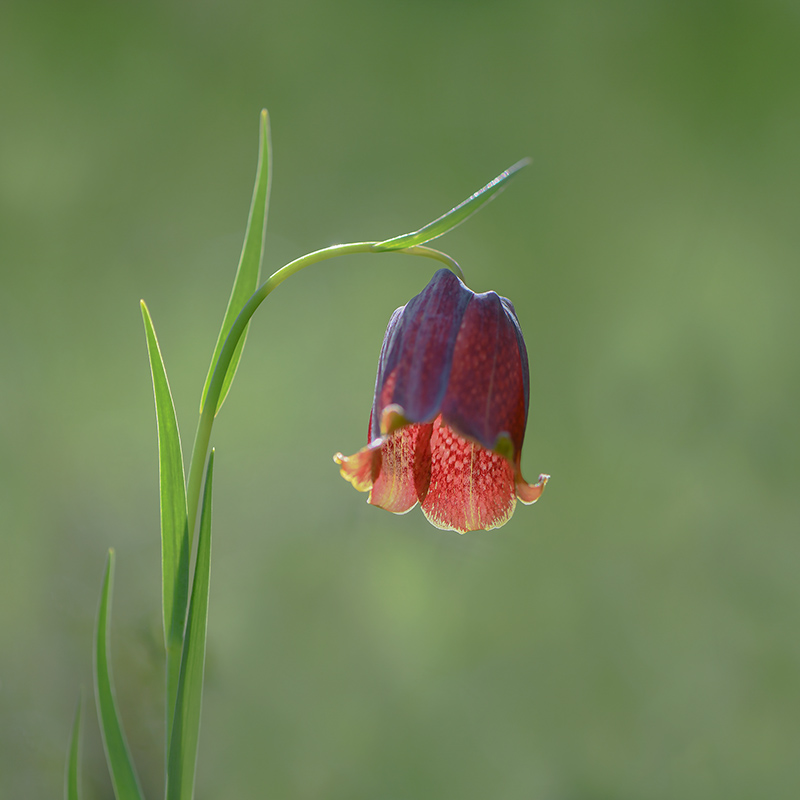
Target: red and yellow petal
(471,488)
(388,468)
(362,467)
(395,487)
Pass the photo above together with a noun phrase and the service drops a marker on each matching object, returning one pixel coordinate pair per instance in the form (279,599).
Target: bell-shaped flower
(449,413)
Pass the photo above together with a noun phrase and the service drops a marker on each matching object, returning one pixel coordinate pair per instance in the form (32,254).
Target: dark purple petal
(523,351)
(388,338)
(487,394)
(417,353)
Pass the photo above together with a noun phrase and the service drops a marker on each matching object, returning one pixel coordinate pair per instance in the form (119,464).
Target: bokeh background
(636,633)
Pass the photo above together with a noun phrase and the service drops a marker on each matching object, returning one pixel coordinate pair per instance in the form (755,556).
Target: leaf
(72,777)
(248,272)
(123,775)
(175,545)
(182,756)
(455,216)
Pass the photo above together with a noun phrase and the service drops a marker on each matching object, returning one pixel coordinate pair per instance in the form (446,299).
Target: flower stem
(202,438)
(422,250)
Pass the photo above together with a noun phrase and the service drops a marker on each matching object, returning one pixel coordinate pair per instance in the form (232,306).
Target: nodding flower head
(449,413)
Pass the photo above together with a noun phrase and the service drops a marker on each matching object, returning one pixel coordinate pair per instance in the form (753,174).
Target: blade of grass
(182,758)
(72,777)
(120,764)
(175,544)
(455,216)
(248,272)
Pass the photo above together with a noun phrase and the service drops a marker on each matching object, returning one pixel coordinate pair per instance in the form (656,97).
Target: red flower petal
(391,468)
(395,487)
(471,488)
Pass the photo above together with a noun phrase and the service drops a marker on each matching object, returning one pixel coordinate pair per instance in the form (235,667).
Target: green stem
(202,438)
(429,252)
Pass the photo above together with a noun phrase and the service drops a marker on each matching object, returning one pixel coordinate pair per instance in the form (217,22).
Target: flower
(449,412)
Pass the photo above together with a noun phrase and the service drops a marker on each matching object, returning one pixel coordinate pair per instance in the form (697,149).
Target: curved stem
(203,435)
(421,250)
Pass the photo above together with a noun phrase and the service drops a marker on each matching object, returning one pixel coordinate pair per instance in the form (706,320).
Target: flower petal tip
(357,469)
(529,493)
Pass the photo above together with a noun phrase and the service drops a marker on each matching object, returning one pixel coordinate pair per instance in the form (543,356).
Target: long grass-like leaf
(120,764)
(182,757)
(72,774)
(455,216)
(249,270)
(175,543)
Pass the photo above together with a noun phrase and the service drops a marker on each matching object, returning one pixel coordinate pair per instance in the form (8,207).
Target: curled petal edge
(529,493)
(359,469)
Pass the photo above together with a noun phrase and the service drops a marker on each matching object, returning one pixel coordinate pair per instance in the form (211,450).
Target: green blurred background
(636,633)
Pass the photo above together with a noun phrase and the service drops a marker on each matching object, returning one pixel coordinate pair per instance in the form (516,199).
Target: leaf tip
(264,129)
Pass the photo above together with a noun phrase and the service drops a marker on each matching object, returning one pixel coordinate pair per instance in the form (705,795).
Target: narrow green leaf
(123,775)
(249,270)
(72,777)
(455,216)
(175,544)
(182,758)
